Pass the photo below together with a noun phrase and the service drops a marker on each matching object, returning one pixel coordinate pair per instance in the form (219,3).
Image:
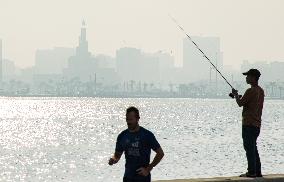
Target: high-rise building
(196,67)
(82,65)
(9,69)
(166,66)
(104,61)
(52,61)
(128,63)
(149,69)
(134,65)
(83,48)
(105,70)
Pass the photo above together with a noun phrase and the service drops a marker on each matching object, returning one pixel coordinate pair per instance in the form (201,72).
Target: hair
(133,109)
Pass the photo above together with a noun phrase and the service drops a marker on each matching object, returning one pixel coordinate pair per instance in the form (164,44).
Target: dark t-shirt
(137,148)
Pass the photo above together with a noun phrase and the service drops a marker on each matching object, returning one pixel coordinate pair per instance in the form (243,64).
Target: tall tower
(1,69)
(82,65)
(83,49)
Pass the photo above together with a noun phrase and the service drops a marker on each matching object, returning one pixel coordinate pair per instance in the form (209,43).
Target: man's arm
(158,157)
(238,100)
(115,158)
(118,151)
(241,101)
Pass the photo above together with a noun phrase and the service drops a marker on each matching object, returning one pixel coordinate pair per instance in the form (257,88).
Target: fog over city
(132,48)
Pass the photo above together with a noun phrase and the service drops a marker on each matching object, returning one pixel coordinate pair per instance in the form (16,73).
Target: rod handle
(232,96)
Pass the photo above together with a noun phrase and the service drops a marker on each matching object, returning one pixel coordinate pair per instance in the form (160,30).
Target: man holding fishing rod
(252,103)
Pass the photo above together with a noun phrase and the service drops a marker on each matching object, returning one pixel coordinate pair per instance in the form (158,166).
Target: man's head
(252,76)
(132,117)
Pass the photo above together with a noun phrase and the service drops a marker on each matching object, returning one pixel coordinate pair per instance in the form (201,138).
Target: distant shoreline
(128,96)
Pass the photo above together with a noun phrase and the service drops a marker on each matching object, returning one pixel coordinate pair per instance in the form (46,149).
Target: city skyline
(74,62)
(71,50)
(132,73)
(114,24)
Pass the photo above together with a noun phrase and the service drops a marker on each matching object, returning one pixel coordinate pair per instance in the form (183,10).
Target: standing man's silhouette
(252,103)
(136,142)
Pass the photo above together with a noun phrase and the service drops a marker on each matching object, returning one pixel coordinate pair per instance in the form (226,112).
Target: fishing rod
(204,55)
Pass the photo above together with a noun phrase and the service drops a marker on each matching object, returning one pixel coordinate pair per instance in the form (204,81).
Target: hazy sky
(249,29)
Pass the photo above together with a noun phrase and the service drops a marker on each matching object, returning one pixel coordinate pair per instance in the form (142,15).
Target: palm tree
(145,85)
(183,89)
(267,88)
(132,83)
(280,91)
(151,86)
(273,85)
(139,87)
(171,87)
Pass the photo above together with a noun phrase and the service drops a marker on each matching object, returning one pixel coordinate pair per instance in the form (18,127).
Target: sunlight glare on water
(71,139)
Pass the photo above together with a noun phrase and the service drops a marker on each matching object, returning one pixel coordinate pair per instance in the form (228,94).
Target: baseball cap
(252,72)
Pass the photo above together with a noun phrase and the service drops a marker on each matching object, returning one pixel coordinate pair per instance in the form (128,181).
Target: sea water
(71,139)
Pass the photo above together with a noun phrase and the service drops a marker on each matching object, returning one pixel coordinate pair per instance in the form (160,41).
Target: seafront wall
(265,178)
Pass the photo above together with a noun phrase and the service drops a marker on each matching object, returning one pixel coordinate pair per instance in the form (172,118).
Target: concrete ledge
(265,178)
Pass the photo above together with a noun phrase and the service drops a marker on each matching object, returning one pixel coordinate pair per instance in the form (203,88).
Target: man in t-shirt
(136,142)
(252,102)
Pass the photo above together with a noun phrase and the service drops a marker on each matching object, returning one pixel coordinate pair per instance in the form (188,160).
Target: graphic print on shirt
(133,149)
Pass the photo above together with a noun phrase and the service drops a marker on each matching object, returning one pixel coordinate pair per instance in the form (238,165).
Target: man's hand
(144,171)
(235,92)
(115,158)
(112,161)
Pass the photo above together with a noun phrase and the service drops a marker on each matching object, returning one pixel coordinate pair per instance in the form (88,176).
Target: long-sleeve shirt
(252,103)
